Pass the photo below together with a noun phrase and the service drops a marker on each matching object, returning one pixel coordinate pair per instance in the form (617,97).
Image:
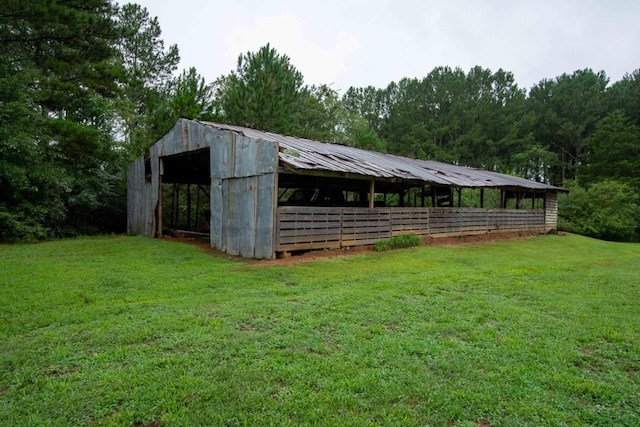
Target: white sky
(359,42)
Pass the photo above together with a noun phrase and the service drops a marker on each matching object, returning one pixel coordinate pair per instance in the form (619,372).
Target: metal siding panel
(241,216)
(222,156)
(171,142)
(142,207)
(216,197)
(225,211)
(267,157)
(197,136)
(265,216)
(245,157)
(184,136)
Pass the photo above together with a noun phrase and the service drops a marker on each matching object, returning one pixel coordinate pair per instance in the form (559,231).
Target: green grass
(134,331)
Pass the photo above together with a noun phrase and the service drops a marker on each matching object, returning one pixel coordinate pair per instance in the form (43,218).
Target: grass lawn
(135,331)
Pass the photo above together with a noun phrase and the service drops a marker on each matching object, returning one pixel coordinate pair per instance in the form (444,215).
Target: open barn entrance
(185,194)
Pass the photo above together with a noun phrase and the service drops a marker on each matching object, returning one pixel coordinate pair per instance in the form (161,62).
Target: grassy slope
(140,331)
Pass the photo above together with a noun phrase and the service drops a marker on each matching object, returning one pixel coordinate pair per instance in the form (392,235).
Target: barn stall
(258,194)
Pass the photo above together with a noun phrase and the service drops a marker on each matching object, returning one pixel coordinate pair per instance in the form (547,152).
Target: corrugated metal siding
(265,215)
(243,177)
(172,142)
(136,198)
(141,219)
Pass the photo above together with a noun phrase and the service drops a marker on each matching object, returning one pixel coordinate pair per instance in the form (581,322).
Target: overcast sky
(373,42)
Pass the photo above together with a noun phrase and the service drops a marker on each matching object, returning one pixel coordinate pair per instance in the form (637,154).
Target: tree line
(85,87)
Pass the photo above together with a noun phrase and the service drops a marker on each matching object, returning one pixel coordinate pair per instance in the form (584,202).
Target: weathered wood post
(372,193)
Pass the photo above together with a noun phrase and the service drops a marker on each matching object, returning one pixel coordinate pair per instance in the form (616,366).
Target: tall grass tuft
(395,242)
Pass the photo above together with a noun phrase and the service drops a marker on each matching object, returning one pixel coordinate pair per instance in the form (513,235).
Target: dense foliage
(87,86)
(58,77)
(605,209)
(574,127)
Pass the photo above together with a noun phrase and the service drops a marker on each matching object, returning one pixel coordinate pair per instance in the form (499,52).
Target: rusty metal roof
(303,154)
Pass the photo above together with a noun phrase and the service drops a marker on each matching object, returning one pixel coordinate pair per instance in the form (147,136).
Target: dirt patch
(307,256)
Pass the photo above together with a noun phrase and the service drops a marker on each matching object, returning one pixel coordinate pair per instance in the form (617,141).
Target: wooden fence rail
(304,228)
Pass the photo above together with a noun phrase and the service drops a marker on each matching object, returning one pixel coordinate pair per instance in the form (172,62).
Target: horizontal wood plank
(301,228)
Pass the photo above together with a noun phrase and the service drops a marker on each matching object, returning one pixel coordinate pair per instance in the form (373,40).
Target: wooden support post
(481,198)
(188,206)
(459,190)
(195,223)
(372,193)
(173,190)
(422,196)
(533,200)
(433,196)
(176,192)
(519,199)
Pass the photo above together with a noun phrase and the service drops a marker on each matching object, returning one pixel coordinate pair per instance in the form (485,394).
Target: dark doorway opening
(186,184)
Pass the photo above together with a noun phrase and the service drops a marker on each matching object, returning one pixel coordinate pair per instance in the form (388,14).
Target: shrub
(402,241)
(608,210)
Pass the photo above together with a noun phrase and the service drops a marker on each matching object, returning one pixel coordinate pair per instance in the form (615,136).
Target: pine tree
(148,71)
(265,92)
(57,73)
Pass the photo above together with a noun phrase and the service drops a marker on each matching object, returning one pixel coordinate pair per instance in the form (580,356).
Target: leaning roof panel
(304,154)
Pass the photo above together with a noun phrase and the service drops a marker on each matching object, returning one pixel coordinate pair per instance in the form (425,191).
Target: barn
(258,194)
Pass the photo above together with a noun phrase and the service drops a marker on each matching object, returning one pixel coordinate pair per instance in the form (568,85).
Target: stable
(257,194)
